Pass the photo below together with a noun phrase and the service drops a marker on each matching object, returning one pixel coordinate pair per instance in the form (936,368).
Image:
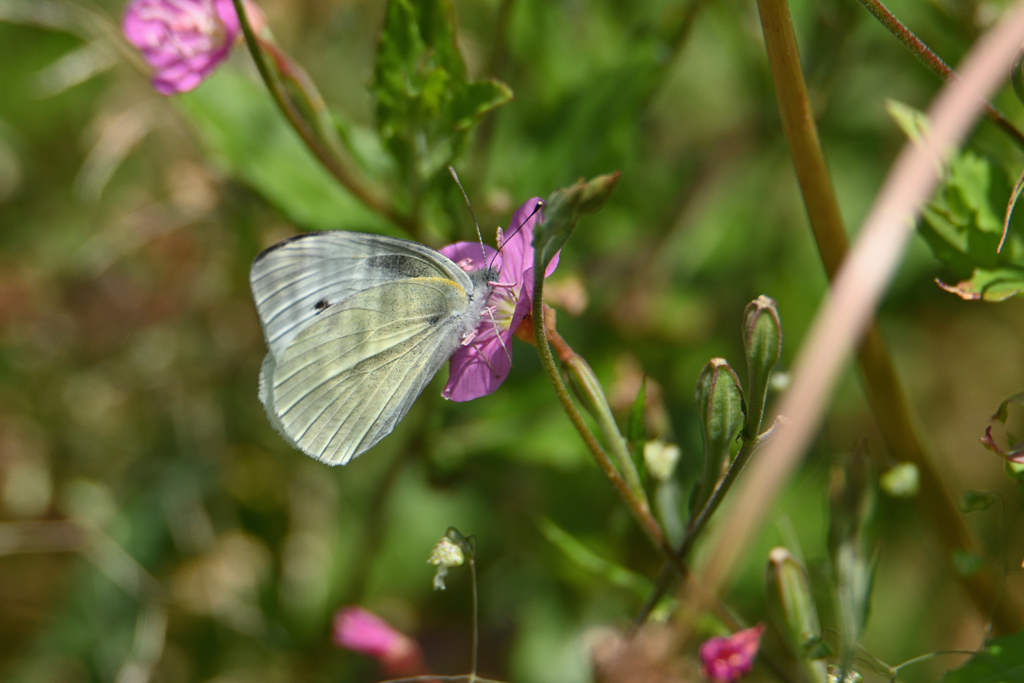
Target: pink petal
(479,369)
(726,659)
(361,631)
(229,17)
(468,253)
(183,41)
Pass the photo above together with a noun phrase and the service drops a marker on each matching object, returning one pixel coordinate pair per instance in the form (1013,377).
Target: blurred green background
(129,347)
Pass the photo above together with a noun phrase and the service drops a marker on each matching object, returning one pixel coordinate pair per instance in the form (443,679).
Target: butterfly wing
(348,377)
(295,281)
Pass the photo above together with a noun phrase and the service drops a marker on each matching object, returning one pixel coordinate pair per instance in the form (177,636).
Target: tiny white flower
(444,555)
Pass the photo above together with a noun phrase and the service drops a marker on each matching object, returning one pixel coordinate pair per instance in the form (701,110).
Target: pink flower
(726,659)
(183,40)
(365,632)
(479,367)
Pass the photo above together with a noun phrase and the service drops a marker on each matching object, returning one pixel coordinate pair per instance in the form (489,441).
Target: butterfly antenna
(512,232)
(455,177)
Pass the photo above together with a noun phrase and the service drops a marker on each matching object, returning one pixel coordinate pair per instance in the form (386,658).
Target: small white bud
(661,458)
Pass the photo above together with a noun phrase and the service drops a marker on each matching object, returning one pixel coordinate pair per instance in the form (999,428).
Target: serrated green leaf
(230,112)
(964,222)
(1002,412)
(913,122)
(989,285)
(1001,661)
(426,107)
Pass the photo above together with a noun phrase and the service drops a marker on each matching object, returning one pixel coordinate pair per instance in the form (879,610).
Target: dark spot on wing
(399,266)
(320,305)
(435,320)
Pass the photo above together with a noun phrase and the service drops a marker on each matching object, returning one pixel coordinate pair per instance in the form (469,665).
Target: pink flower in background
(726,659)
(478,368)
(365,632)
(183,40)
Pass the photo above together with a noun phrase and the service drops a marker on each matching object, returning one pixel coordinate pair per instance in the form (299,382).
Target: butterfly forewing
(351,374)
(299,279)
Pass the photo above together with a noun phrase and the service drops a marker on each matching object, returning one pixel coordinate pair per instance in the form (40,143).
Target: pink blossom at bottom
(362,631)
(725,659)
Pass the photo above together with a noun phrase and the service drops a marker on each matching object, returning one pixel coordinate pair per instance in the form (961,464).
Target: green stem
(934,62)
(637,506)
(883,390)
(697,526)
(333,165)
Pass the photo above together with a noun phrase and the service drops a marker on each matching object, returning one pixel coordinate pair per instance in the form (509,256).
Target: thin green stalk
(333,165)
(639,509)
(882,386)
(617,445)
(696,528)
(934,62)
(476,615)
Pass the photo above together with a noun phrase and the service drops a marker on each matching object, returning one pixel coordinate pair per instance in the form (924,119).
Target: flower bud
(791,604)
(586,386)
(852,498)
(588,389)
(852,495)
(724,660)
(565,208)
(719,400)
(762,343)
(183,41)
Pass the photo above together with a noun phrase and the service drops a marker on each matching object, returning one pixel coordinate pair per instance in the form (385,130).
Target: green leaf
(1002,661)
(1002,412)
(238,123)
(965,220)
(989,285)
(585,558)
(913,122)
(426,106)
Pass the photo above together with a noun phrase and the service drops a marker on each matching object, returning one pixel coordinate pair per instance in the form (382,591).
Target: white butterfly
(356,326)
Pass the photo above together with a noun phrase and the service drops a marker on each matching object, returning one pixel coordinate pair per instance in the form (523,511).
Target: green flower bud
(762,343)
(586,386)
(852,499)
(588,389)
(564,210)
(719,401)
(791,605)
(852,494)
